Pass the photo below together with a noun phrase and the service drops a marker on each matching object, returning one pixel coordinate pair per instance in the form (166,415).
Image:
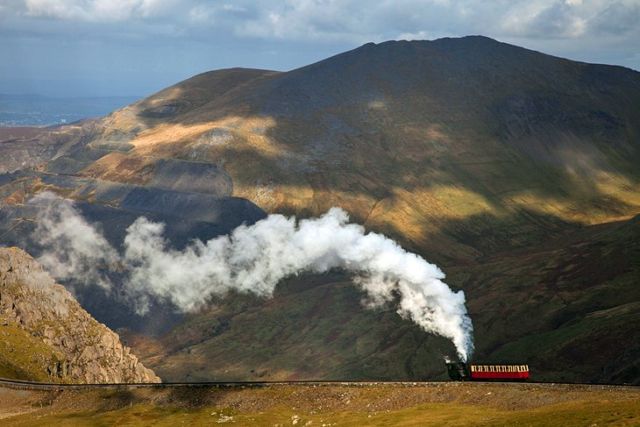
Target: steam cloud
(74,249)
(253,259)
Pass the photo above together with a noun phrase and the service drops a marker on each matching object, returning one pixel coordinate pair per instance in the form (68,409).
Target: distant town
(37,110)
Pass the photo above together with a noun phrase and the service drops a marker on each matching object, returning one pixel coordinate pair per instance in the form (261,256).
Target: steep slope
(47,336)
(486,158)
(436,132)
(569,308)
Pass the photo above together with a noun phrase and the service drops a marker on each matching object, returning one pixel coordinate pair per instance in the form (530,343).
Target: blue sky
(135,47)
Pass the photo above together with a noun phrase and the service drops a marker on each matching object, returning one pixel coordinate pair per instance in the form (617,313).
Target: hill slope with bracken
(513,170)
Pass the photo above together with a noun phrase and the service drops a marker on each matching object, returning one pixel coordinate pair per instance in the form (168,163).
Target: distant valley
(37,110)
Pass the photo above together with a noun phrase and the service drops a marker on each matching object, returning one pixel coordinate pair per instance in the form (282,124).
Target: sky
(136,47)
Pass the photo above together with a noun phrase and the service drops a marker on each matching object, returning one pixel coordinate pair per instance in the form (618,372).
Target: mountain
(515,171)
(46,336)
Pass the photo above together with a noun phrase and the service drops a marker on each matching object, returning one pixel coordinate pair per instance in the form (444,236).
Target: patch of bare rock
(89,352)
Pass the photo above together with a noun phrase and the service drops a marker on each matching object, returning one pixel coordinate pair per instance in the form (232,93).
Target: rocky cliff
(63,342)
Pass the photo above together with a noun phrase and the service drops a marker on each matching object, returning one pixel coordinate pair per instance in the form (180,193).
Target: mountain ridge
(466,151)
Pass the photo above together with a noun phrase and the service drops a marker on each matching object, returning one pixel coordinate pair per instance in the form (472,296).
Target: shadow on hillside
(527,307)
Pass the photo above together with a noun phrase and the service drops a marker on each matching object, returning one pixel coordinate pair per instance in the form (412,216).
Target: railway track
(30,385)
(20,384)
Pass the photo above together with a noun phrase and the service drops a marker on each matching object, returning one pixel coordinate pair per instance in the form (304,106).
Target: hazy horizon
(137,47)
(84,83)
(18,110)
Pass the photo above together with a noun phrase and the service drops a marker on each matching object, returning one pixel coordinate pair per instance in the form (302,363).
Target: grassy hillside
(25,357)
(452,404)
(516,172)
(569,309)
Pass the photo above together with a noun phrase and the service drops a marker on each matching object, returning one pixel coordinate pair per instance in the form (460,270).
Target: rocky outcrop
(86,350)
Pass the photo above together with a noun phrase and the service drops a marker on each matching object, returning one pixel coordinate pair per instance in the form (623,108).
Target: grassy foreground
(408,404)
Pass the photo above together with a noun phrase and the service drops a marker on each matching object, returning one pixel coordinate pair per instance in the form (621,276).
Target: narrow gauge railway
(30,385)
(459,371)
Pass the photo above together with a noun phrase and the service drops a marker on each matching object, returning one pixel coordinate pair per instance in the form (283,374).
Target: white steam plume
(74,249)
(255,258)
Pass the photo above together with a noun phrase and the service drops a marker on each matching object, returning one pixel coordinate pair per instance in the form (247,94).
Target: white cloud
(356,20)
(233,8)
(224,33)
(420,35)
(99,10)
(55,9)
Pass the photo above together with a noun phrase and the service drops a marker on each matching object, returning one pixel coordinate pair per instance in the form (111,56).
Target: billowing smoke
(254,259)
(73,249)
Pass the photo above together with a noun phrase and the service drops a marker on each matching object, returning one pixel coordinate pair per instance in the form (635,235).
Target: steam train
(460,371)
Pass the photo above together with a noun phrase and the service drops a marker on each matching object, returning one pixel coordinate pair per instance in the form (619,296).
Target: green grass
(585,410)
(23,356)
